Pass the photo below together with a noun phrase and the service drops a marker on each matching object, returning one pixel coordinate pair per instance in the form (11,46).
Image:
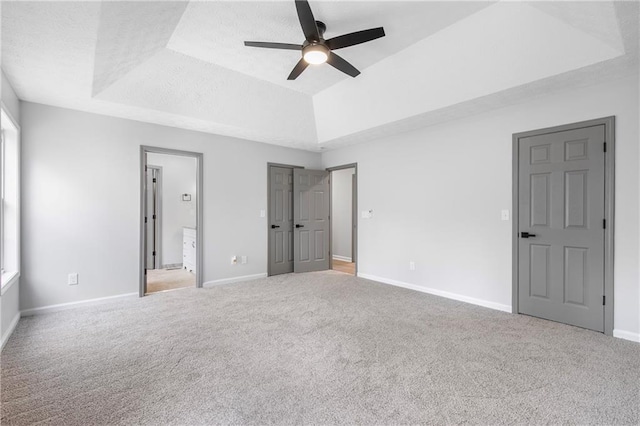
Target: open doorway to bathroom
(344,219)
(170,220)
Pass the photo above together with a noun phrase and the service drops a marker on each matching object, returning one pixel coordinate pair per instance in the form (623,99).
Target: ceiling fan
(315,49)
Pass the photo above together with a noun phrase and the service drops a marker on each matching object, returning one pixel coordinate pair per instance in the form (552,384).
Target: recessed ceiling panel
(214,32)
(129,34)
(187,87)
(503,46)
(597,18)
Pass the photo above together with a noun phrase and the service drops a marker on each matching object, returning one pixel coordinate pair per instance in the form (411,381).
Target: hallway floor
(169,279)
(346,267)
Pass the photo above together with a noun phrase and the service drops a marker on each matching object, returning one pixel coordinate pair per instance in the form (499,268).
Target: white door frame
(144,150)
(609,206)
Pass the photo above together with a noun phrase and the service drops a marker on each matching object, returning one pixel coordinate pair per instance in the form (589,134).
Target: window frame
(9,277)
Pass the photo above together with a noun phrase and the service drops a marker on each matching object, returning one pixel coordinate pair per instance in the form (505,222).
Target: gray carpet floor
(320,348)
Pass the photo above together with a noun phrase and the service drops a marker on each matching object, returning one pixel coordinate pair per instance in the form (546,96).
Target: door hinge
(154,217)
(605,146)
(146,170)
(154,253)
(154,180)
(145,219)
(604,298)
(604,223)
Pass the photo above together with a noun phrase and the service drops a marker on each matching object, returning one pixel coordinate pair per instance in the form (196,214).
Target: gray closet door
(150,248)
(311,220)
(561,202)
(281,226)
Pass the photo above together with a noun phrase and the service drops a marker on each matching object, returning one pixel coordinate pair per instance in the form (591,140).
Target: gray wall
(9,301)
(437,194)
(178,177)
(341,213)
(81,201)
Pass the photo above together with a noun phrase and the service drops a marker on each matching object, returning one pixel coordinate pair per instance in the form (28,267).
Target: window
(10,200)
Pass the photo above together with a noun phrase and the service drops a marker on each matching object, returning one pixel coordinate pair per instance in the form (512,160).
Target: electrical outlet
(505,215)
(367,214)
(412,265)
(73,279)
(263,213)
(234,260)
(244,259)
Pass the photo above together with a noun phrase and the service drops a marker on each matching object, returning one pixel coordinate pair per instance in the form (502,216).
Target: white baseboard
(454,296)
(343,258)
(64,306)
(234,280)
(9,332)
(626,335)
(172,266)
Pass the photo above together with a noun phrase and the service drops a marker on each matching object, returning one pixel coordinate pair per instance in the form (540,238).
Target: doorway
(344,219)
(563,222)
(298,220)
(171,237)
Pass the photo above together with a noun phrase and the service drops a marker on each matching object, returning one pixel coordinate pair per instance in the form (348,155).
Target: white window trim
(10,277)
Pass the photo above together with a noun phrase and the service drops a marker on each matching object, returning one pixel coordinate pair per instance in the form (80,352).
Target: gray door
(152,217)
(561,204)
(281,218)
(149,219)
(311,220)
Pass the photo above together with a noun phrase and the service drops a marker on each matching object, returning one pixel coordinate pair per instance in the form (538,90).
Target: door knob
(275,226)
(527,235)
(299,226)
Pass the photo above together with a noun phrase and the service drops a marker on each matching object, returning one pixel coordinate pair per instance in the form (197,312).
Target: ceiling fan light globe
(316,53)
(316,57)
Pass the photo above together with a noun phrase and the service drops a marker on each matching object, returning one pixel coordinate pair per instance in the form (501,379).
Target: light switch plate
(263,213)
(505,215)
(73,279)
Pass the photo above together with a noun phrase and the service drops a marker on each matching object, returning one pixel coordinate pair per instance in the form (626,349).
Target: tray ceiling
(184,64)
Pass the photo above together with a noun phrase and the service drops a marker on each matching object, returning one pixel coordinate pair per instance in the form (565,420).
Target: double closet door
(299,220)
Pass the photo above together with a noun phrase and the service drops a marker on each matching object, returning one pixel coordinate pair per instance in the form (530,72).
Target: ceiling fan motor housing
(316,52)
(321,29)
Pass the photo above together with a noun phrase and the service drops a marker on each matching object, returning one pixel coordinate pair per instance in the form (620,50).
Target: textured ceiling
(205,33)
(183,64)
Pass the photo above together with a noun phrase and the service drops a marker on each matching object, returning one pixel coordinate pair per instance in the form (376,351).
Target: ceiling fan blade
(268,45)
(338,63)
(297,70)
(307,21)
(352,39)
